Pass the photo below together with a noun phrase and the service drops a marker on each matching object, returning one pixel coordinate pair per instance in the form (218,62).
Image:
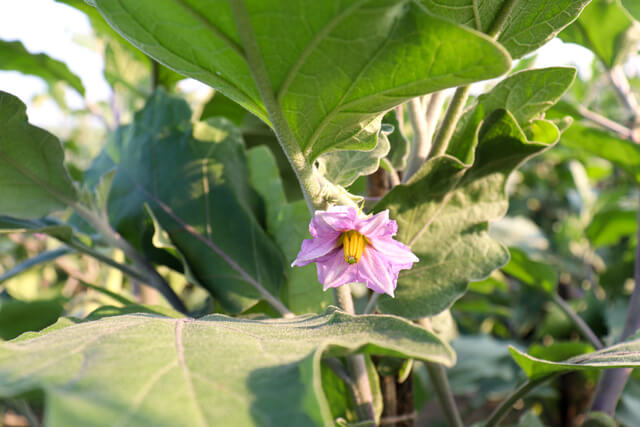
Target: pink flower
(348,248)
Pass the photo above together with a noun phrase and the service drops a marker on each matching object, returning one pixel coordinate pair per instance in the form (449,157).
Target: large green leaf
(533,273)
(530,24)
(17,316)
(610,225)
(526,94)
(288,223)
(33,179)
(14,57)
(605,29)
(334,66)
(623,355)
(443,213)
(197,187)
(146,369)
(625,154)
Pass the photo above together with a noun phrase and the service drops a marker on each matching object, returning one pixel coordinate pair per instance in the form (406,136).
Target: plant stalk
(356,363)
(613,381)
(505,406)
(584,329)
(438,376)
(454,111)
(151,276)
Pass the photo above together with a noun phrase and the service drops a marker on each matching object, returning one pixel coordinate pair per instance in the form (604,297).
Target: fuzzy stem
(585,330)
(421,141)
(356,363)
(451,117)
(608,124)
(505,406)
(105,259)
(310,186)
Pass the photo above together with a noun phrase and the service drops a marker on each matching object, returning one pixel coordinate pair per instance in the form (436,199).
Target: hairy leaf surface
(215,370)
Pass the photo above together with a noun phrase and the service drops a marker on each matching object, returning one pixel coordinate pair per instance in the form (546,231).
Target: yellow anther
(353,244)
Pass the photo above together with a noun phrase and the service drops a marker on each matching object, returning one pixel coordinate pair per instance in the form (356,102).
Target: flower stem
(505,406)
(451,117)
(356,363)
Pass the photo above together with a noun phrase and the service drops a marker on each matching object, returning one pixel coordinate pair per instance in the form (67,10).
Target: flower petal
(333,270)
(376,272)
(378,225)
(315,248)
(394,252)
(339,218)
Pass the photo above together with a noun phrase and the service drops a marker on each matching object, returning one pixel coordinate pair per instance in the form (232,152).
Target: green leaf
(625,154)
(606,30)
(17,317)
(530,272)
(623,355)
(288,223)
(526,94)
(610,225)
(443,213)
(633,7)
(33,179)
(345,166)
(334,67)
(216,370)
(530,24)
(220,105)
(196,185)
(14,57)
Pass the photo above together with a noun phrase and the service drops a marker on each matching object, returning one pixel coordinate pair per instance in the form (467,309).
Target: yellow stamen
(353,244)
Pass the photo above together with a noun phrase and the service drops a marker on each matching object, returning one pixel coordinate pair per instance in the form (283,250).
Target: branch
(505,406)
(577,320)
(606,123)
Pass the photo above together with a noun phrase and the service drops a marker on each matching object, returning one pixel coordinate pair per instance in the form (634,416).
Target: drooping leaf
(33,179)
(220,105)
(526,94)
(17,317)
(530,24)
(606,30)
(288,223)
(623,355)
(14,57)
(196,185)
(380,54)
(216,370)
(533,273)
(443,214)
(345,166)
(624,154)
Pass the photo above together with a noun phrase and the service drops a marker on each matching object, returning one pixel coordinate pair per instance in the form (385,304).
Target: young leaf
(197,188)
(33,179)
(344,167)
(334,67)
(526,94)
(443,214)
(146,369)
(14,57)
(623,355)
(606,30)
(530,24)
